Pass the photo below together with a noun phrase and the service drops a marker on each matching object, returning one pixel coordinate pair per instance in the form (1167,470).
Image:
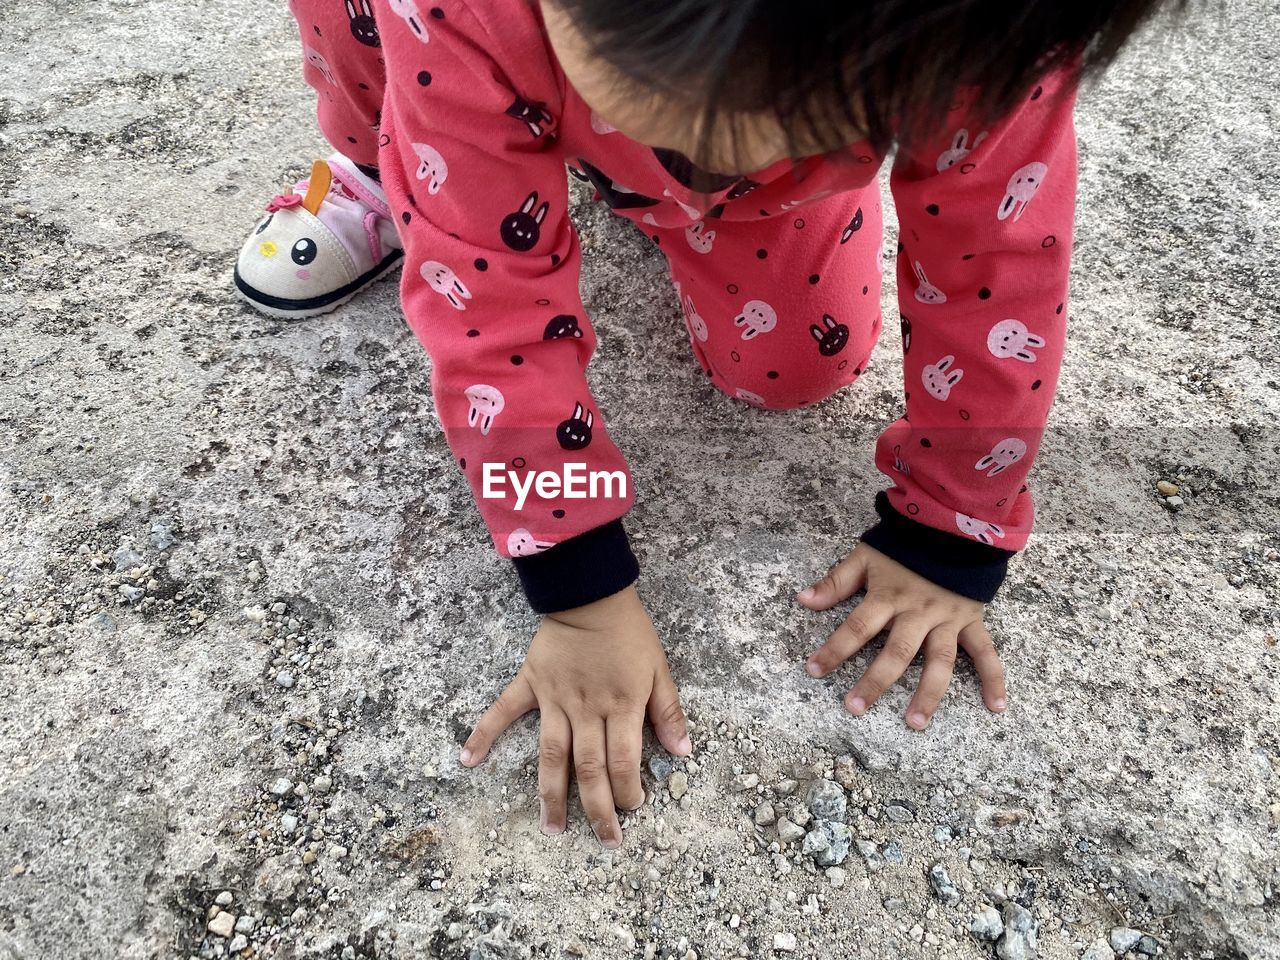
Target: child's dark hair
(888,69)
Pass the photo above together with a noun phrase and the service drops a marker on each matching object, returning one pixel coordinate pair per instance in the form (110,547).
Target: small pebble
(836,876)
(987,924)
(1168,489)
(789,832)
(765,814)
(1098,950)
(1124,939)
(943,888)
(281,786)
(284,680)
(678,784)
(223,925)
(225,899)
(784,943)
(826,800)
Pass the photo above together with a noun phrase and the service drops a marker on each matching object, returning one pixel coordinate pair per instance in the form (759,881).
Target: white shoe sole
(317,306)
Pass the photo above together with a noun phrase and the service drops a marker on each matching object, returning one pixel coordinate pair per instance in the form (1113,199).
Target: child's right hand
(593,673)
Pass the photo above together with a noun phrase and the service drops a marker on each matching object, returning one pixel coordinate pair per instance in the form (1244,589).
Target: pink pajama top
(478,124)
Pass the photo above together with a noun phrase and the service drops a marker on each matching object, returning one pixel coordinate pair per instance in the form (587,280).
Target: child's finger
(939,665)
(624,734)
(590,767)
(667,716)
(899,650)
(554,745)
(866,620)
(977,642)
(841,582)
(512,704)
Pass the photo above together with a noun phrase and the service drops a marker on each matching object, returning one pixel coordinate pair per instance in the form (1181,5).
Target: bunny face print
(980,530)
(522,230)
(854,226)
(575,433)
(407,10)
(522,544)
(832,337)
(432,167)
(1010,338)
(1004,454)
(321,64)
(532,115)
(697,326)
(757,317)
(959,149)
(1022,187)
(561,327)
(486,403)
(363,27)
(939,378)
(700,239)
(446,283)
(927,292)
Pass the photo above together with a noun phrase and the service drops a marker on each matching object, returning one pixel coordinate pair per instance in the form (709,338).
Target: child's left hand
(922,614)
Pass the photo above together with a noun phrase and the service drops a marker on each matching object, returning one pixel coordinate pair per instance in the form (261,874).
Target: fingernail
(857,706)
(466,757)
(685,746)
(999,704)
(611,843)
(918,720)
(813,669)
(547,826)
(808,593)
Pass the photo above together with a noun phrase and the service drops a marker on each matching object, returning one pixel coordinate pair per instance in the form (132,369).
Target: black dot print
(964,414)
(772,374)
(732,288)
(516,360)
(968,256)
(352,140)
(913,508)
(424,78)
(518,463)
(558,514)
(316,28)
(1059,310)
(814,278)
(473,333)
(656,239)
(1002,501)
(984,293)
(900,247)
(933,209)
(363,86)
(482,264)
(1038,92)
(1024,489)
(842,364)
(555,259)
(924,442)
(1036,385)
(405,216)
(762,253)
(863,158)
(799,223)
(543,302)
(857,371)
(437,13)
(1049,241)
(413,201)
(865,291)
(906,395)
(967,168)
(463,463)
(737,357)
(764,213)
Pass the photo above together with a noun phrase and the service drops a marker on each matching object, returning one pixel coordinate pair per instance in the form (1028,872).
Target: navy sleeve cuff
(967,567)
(587,568)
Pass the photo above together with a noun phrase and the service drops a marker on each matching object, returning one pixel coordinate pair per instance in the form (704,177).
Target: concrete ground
(195,499)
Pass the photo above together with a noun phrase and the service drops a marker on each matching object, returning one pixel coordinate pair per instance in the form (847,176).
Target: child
(454,120)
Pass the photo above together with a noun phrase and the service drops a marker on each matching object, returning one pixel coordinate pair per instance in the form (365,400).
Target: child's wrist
(576,572)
